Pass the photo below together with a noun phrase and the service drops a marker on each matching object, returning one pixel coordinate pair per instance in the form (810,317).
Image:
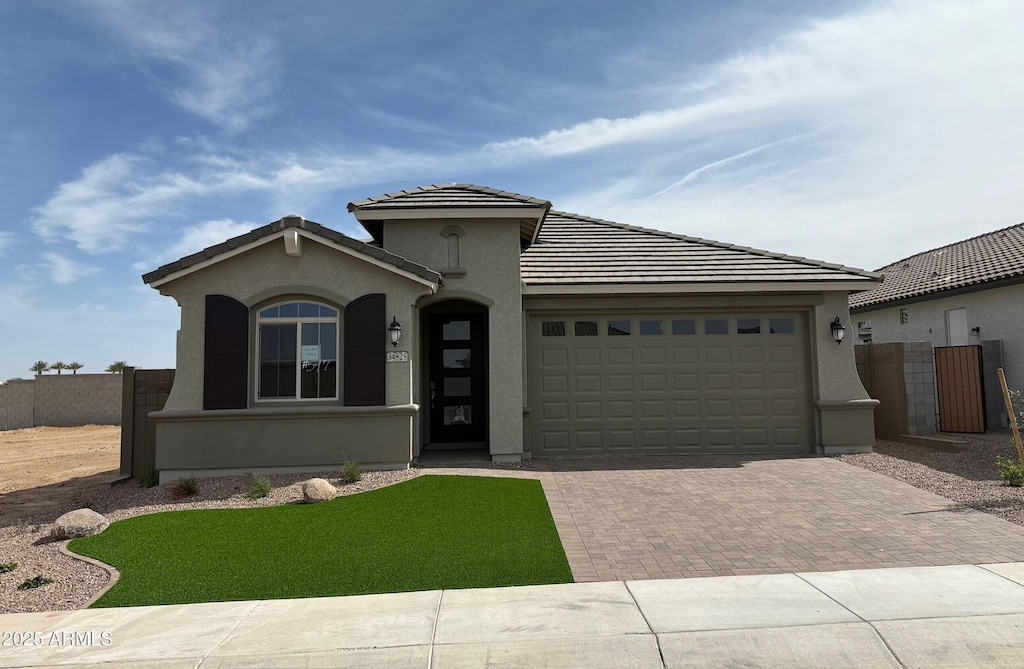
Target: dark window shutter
(226,358)
(365,336)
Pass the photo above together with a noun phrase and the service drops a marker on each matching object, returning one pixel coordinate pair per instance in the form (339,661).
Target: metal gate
(958,378)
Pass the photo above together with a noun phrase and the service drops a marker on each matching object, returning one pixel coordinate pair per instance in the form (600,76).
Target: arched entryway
(455,394)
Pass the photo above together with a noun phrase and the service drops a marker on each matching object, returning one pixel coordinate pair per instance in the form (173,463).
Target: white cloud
(198,237)
(220,74)
(63,270)
(6,242)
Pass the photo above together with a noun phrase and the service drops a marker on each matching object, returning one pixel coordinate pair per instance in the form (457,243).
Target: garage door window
(781,325)
(651,328)
(716,326)
(748,326)
(684,326)
(586,328)
(552,329)
(619,328)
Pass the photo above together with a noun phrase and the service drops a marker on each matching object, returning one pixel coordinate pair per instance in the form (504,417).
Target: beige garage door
(673,383)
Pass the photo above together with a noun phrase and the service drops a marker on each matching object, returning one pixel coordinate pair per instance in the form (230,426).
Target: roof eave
(844,285)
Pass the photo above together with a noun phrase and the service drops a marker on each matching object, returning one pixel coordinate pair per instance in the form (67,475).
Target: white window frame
(297,321)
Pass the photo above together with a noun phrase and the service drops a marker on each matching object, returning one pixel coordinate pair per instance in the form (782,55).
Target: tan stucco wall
(256,276)
(999,312)
(489,254)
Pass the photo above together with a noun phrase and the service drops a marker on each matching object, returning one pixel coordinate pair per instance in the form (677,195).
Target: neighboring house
(522,330)
(964,293)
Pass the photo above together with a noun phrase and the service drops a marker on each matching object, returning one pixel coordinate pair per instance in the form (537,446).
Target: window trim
(297,321)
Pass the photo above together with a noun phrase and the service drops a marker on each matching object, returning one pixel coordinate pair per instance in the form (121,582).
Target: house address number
(398,356)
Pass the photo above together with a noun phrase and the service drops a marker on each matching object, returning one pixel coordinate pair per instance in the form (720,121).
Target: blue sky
(133,133)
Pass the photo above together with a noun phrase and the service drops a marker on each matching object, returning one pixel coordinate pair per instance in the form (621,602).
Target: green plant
(350,472)
(36,581)
(150,480)
(1011,471)
(185,487)
(7,566)
(259,486)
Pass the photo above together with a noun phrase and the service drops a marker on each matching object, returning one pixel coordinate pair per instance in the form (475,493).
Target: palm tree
(117,367)
(39,367)
(58,366)
(75,366)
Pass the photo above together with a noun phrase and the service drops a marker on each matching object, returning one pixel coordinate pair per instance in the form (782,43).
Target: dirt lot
(43,469)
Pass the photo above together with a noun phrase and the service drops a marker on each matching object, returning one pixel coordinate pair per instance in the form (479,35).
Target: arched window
(297,352)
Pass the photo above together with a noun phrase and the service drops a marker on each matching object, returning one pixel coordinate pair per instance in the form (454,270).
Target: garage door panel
(738,385)
(650,355)
(590,410)
(621,409)
(653,383)
(555,384)
(587,383)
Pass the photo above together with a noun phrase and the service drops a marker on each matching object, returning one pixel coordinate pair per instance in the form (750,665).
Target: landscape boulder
(318,490)
(79,523)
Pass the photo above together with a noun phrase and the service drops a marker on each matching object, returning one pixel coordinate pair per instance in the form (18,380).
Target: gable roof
(579,250)
(990,257)
(448,195)
(254,237)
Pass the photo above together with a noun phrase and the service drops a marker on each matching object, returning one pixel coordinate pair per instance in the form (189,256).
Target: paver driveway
(674,517)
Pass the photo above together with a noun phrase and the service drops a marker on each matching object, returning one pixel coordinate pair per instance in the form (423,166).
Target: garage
(671,383)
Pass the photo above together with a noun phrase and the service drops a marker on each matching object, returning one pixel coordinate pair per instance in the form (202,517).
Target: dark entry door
(458,383)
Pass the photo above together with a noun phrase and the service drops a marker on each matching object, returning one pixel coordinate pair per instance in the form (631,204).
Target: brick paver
(675,517)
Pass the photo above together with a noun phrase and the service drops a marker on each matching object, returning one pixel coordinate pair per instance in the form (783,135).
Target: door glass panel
(650,328)
(457,330)
(618,328)
(716,326)
(552,329)
(459,414)
(586,328)
(785,325)
(685,326)
(748,326)
(457,386)
(456,358)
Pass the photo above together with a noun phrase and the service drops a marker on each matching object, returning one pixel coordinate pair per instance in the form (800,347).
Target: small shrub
(35,582)
(259,486)
(7,566)
(1011,471)
(150,480)
(185,487)
(350,472)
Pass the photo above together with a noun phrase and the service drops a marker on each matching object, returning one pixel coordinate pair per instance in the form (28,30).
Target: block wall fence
(62,400)
(143,391)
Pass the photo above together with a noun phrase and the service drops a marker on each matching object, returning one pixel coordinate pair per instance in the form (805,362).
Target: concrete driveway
(676,517)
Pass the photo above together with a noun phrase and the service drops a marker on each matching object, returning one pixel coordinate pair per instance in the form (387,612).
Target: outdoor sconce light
(394,331)
(838,331)
(976,330)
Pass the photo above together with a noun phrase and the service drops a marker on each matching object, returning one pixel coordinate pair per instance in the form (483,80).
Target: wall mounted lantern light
(394,331)
(838,331)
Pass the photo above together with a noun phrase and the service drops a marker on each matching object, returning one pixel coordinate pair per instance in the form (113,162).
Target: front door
(458,383)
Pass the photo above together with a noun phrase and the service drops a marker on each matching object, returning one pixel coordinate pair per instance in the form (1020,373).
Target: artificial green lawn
(427,533)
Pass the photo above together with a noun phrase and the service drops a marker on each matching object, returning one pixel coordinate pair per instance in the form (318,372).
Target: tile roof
(573,249)
(448,195)
(989,257)
(292,222)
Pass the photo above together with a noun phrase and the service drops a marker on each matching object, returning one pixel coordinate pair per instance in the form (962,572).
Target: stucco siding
(998,312)
(489,260)
(257,276)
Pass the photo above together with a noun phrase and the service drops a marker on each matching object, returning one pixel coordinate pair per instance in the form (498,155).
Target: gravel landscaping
(74,582)
(969,477)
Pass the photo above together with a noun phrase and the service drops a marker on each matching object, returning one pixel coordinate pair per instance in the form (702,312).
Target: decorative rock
(318,490)
(79,523)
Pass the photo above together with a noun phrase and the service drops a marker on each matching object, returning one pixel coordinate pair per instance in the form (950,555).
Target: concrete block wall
(143,392)
(901,376)
(17,404)
(77,399)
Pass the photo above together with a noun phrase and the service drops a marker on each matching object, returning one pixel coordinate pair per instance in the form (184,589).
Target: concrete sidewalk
(971,616)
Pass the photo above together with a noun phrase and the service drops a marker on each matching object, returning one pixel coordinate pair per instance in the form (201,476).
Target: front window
(297,349)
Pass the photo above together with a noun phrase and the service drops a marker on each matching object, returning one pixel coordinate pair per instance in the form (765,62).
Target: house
(478,318)
(967,293)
